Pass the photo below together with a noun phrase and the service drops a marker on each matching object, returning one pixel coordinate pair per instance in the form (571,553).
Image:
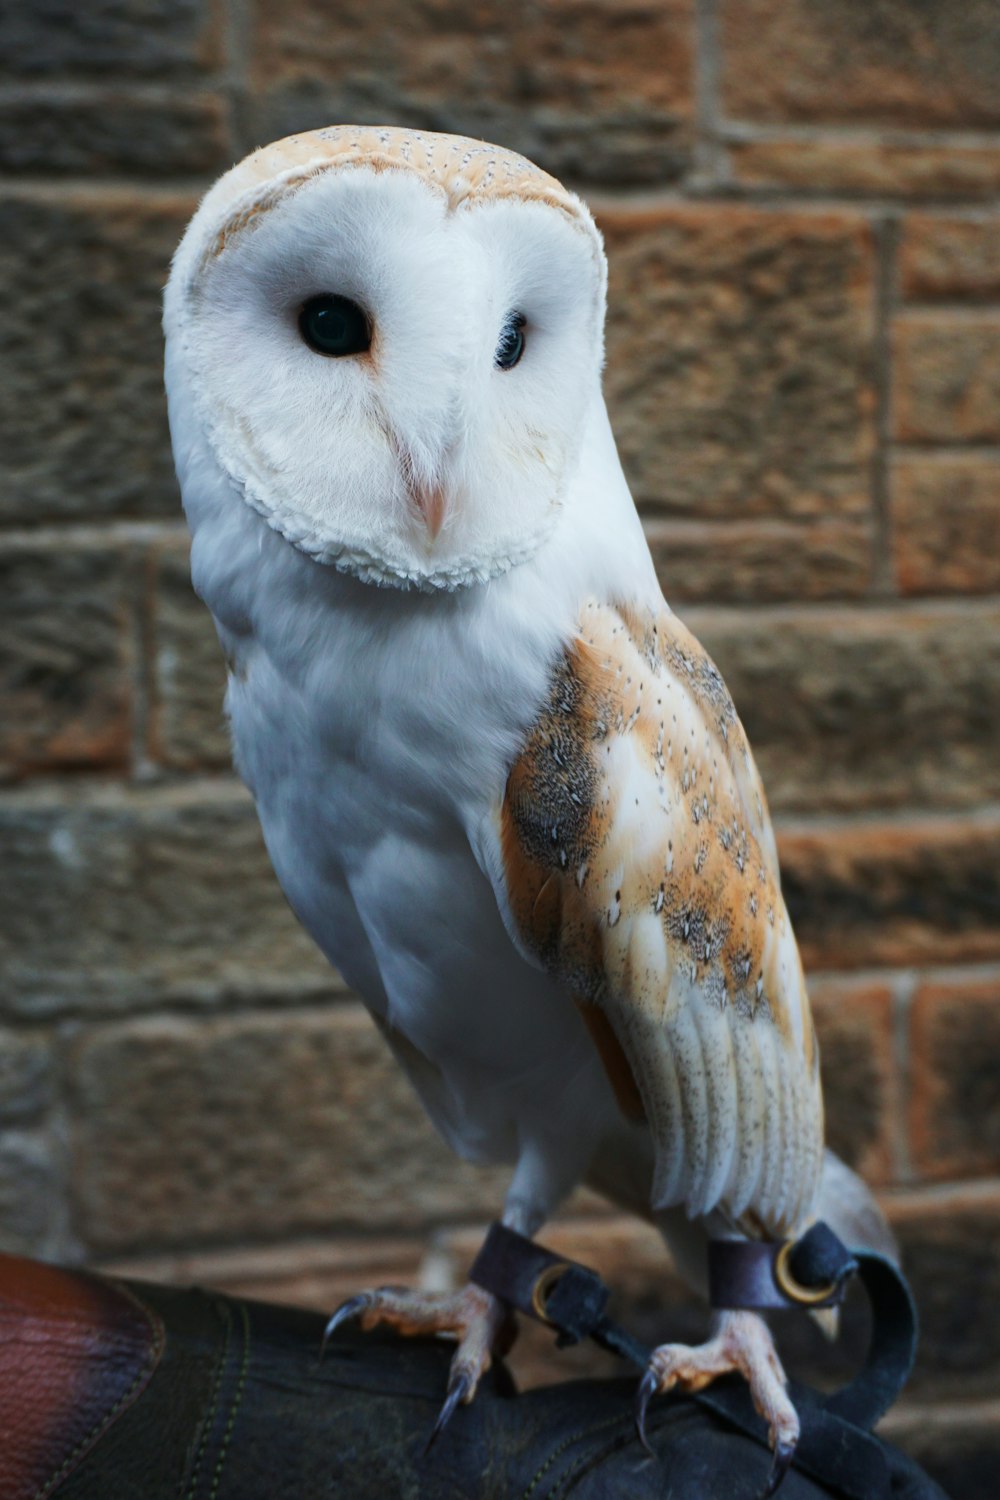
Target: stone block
(25,1074)
(568,84)
(260,1126)
(188,726)
(760,561)
(113,132)
(945,518)
(947,378)
(854,1025)
(943,258)
(923,892)
(891,62)
(875,708)
(131,898)
(83,429)
(870,168)
(29,1194)
(955,1099)
(739,360)
(141,38)
(64,658)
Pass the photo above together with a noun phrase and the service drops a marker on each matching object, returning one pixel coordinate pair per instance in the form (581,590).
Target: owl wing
(638,866)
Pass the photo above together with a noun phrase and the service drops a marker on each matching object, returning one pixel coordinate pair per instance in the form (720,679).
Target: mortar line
(180,190)
(710,158)
(141,583)
(902,1003)
(885,298)
(239,23)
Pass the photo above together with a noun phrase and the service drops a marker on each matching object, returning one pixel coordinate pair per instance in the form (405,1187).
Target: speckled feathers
(641,869)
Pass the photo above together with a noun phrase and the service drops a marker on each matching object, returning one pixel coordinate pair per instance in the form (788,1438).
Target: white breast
(375,728)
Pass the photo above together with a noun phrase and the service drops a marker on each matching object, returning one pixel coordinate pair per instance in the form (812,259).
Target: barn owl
(501,785)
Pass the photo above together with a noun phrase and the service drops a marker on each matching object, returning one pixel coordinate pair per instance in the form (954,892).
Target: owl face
(393,342)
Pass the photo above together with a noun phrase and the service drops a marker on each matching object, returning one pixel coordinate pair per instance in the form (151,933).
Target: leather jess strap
(811,1272)
(836,1443)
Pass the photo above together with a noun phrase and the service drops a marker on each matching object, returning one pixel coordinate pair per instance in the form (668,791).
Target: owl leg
(479,1321)
(742,1342)
(476,1319)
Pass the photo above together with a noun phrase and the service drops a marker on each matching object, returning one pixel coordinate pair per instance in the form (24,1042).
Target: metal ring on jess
(795,1291)
(544,1283)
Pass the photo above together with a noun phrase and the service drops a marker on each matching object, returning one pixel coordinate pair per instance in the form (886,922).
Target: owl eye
(511,345)
(335,326)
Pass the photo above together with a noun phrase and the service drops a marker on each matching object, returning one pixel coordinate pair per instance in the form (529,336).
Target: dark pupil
(334,325)
(511,345)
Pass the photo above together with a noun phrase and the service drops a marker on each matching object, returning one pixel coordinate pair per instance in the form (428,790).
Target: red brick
(950,1244)
(854,1024)
(888,61)
(955,1102)
(926,891)
(946,378)
(570,84)
(762,561)
(65,659)
(946,524)
(879,169)
(949,258)
(739,360)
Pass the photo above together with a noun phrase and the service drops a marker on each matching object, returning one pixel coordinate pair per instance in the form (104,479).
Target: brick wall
(801,200)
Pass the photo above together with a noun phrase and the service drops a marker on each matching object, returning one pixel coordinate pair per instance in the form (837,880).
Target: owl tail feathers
(848,1206)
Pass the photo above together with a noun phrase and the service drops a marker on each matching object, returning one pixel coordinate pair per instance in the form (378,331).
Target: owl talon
(742,1343)
(647,1390)
(476,1319)
(781,1462)
(461,1389)
(352,1308)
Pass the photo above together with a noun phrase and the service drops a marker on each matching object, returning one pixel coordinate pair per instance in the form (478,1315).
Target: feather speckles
(565,805)
(463,170)
(670,918)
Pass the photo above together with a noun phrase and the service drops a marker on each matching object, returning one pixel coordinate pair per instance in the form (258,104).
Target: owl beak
(431,505)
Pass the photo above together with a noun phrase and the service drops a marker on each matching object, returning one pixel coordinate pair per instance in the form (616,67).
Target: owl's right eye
(335,326)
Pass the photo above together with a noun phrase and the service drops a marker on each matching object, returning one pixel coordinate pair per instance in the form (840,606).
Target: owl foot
(479,1322)
(742,1343)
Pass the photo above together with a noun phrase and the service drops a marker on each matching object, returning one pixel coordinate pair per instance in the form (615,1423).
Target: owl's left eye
(511,344)
(335,326)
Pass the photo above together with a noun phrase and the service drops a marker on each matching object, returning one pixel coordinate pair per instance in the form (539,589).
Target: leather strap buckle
(810,1272)
(544,1285)
(795,1291)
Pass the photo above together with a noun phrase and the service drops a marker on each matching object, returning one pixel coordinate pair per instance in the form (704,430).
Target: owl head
(390,342)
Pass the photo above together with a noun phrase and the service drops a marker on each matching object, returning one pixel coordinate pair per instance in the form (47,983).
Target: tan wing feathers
(640,869)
